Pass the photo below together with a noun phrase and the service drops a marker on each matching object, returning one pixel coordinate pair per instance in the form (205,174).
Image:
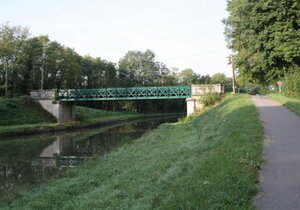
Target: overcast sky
(182,33)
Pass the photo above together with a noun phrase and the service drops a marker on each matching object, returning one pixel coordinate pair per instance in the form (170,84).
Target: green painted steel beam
(132,93)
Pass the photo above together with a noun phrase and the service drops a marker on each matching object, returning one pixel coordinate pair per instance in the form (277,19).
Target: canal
(31,160)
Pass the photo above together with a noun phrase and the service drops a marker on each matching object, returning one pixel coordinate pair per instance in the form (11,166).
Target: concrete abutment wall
(62,111)
(198,91)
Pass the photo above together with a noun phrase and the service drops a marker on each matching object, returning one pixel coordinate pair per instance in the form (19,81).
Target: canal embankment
(23,116)
(290,103)
(208,162)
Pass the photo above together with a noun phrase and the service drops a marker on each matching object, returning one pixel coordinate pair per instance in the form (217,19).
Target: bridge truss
(132,93)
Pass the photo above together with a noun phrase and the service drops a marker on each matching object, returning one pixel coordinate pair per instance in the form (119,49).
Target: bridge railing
(132,93)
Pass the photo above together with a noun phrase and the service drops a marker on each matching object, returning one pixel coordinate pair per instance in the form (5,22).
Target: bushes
(291,85)
(210,99)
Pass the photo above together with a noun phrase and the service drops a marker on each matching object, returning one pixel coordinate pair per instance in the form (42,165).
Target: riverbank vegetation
(85,114)
(23,110)
(292,104)
(20,116)
(211,162)
(265,36)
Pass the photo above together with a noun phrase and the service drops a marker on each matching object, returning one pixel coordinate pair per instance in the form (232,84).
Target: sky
(181,33)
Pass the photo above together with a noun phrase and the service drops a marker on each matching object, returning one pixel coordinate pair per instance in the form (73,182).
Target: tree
(220,78)
(265,34)
(11,43)
(205,79)
(188,77)
(140,68)
(31,64)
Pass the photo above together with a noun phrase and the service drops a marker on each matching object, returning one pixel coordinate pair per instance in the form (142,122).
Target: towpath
(280,178)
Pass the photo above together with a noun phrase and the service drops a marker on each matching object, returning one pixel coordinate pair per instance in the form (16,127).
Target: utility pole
(233,74)
(42,69)
(6,78)
(42,77)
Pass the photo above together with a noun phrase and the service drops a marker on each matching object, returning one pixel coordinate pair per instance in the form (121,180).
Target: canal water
(27,161)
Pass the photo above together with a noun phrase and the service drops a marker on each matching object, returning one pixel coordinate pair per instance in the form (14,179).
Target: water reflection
(31,160)
(59,154)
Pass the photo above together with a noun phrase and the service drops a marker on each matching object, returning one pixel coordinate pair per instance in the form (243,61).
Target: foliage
(210,99)
(188,77)
(140,68)
(220,78)
(266,36)
(11,45)
(292,85)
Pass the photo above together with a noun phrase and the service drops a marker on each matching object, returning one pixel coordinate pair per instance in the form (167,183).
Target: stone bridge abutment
(63,111)
(193,103)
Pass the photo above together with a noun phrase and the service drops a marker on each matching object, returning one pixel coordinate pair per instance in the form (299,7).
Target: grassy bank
(26,129)
(84,114)
(20,116)
(292,104)
(18,111)
(211,162)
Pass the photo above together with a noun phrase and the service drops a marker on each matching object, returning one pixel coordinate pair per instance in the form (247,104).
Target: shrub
(27,101)
(291,84)
(210,99)
(252,90)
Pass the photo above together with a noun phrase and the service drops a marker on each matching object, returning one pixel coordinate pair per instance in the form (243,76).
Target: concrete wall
(62,111)
(48,105)
(197,92)
(200,90)
(66,111)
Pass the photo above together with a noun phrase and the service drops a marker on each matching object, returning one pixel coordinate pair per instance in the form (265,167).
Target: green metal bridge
(132,93)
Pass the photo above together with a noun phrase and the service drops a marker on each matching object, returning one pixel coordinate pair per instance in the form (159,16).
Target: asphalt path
(280,176)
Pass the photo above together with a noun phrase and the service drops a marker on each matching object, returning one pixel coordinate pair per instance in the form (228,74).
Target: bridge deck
(132,93)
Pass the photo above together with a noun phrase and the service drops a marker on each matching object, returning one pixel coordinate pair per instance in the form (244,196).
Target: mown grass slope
(17,111)
(19,116)
(292,104)
(211,162)
(23,110)
(88,114)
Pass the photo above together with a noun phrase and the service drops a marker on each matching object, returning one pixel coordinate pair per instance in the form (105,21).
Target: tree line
(265,36)
(35,62)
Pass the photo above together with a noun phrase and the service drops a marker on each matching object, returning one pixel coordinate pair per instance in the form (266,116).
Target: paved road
(280,186)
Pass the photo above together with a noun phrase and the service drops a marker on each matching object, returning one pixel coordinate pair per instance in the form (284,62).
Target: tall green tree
(12,40)
(188,77)
(31,64)
(265,34)
(99,73)
(220,78)
(140,68)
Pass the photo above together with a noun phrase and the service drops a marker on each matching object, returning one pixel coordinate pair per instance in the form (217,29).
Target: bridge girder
(132,93)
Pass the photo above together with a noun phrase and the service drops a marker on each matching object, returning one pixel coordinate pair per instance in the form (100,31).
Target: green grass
(25,112)
(211,162)
(292,104)
(17,111)
(19,116)
(87,114)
